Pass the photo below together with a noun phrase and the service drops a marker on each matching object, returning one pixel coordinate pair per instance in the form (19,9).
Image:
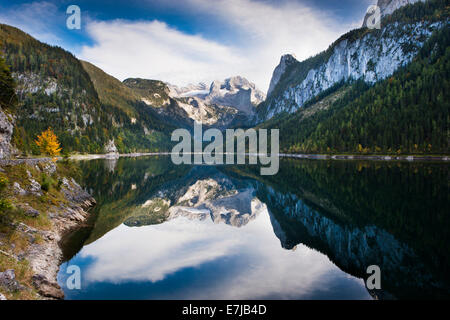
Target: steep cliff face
(236,92)
(285,62)
(371,55)
(6,131)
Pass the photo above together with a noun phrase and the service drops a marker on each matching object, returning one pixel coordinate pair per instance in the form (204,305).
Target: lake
(162,231)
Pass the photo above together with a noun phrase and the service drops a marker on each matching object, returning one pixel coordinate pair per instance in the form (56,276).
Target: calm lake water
(162,231)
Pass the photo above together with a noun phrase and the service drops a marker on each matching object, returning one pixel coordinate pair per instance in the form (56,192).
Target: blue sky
(190,40)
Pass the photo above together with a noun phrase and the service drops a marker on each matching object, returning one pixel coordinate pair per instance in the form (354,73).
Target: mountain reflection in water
(162,231)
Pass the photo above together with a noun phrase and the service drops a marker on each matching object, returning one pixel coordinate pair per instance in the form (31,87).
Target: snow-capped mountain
(235,92)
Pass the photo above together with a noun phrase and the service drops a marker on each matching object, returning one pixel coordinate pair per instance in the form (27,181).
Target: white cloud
(155,50)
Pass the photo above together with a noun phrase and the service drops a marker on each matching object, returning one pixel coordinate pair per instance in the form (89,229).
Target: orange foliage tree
(48,143)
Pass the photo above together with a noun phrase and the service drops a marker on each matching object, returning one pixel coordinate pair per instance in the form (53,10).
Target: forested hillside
(407,113)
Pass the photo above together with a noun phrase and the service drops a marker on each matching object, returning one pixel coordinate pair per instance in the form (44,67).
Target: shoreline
(348,157)
(443,158)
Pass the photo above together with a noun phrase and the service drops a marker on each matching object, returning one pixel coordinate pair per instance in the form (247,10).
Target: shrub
(46,182)
(3,182)
(5,205)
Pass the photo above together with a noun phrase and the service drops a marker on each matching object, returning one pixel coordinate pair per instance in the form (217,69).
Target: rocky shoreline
(45,256)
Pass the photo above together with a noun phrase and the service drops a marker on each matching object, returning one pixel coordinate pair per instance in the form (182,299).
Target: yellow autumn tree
(48,143)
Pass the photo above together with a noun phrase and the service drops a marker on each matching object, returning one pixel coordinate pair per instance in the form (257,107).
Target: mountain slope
(371,55)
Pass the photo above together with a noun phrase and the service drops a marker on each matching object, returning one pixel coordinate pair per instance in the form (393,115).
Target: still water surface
(161,231)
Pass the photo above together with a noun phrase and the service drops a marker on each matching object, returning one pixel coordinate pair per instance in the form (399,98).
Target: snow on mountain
(236,92)
(188,91)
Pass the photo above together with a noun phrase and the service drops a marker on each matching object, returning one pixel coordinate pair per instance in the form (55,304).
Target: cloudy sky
(187,41)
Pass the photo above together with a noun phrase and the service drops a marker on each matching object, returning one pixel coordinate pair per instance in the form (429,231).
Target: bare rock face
(18,189)
(8,281)
(6,131)
(49,167)
(285,62)
(189,90)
